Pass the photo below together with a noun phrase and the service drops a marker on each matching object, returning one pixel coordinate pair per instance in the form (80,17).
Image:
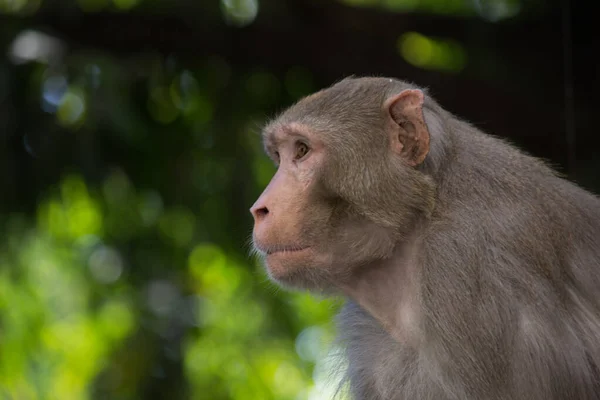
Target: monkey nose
(259,212)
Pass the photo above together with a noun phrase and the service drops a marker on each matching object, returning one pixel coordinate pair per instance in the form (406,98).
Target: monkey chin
(300,269)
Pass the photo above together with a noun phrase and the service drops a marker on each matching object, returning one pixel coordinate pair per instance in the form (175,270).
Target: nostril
(261,212)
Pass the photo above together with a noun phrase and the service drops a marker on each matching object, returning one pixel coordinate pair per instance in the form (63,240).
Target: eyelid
(300,141)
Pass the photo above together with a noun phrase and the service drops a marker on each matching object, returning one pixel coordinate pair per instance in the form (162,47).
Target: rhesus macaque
(472,270)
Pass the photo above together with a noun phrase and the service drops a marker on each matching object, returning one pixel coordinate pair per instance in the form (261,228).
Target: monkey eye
(302,150)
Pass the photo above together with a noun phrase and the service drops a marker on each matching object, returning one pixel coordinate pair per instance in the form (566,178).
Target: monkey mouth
(289,249)
(270,250)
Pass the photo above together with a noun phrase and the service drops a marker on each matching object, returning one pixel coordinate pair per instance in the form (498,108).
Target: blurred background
(129,157)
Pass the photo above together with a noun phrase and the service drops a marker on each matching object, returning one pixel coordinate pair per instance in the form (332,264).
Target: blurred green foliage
(112,274)
(124,267)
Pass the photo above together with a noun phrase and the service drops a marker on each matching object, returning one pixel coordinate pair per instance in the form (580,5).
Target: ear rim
(413,148)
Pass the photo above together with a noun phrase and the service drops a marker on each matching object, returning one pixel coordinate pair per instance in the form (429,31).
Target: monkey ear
(407,128)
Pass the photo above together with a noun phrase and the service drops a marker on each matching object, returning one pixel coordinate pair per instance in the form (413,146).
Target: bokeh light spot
(310,344)
(497,10)
(72,108)
(54,89)
(239,12)
(428,53)
(105,264)
(116,319)
(162,297)
(31,45)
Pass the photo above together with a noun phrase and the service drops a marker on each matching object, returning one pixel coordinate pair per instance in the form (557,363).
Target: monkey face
(307,234)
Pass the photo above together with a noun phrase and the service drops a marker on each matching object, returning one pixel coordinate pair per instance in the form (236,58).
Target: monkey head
(348,186)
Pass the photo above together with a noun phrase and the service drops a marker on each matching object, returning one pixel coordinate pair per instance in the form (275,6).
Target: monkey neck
(388,291)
